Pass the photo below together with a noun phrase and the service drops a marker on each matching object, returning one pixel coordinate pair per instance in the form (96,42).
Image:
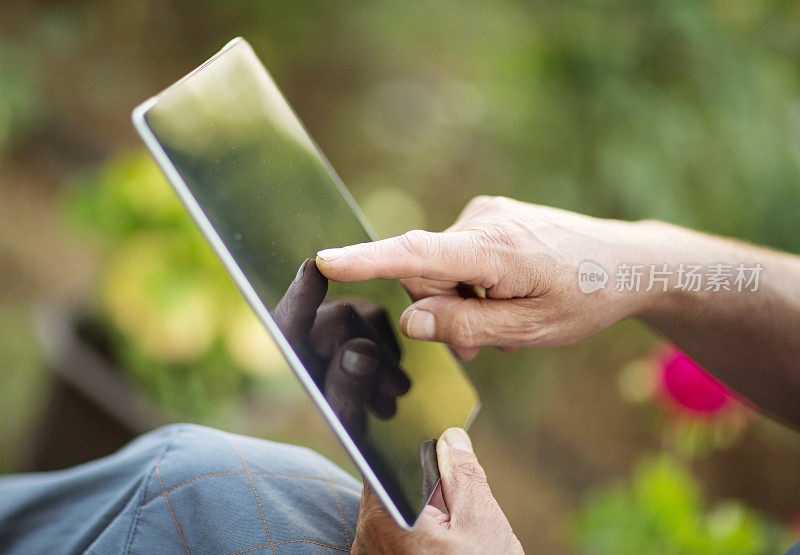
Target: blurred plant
(18,100)
(696,413)
(676,110)
(180,327)
(686,387)
(662,511)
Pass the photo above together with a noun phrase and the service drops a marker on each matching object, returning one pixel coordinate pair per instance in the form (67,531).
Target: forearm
(750,339)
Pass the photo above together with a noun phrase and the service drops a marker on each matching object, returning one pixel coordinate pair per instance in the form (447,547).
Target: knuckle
(374,249)
(494,235)
(462,331)
(485,201)
(479,201)
(415,241)
(468,471)
(478,205)
(485,206)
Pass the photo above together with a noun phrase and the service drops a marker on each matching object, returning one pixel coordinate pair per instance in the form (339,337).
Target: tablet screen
(267,200)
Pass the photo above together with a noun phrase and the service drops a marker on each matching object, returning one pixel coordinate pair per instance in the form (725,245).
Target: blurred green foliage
(179,326)
(19,101)
(682,111)
(23,380)
(662,512)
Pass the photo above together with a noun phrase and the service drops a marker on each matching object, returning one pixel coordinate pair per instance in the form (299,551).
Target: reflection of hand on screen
(348,347)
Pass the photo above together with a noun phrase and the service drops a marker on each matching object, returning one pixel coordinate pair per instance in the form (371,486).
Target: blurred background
(115,318)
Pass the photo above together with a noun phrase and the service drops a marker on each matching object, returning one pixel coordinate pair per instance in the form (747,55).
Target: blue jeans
(184,488)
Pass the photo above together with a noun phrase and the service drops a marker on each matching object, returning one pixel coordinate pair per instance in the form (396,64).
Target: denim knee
(213,491)
(184,488)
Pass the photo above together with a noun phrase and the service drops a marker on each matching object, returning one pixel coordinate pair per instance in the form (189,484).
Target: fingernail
(329,255)
(356,363)
(458,440)
(421,324)
(443,457)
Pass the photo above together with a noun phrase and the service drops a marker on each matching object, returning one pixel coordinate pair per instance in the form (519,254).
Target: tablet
(266,199)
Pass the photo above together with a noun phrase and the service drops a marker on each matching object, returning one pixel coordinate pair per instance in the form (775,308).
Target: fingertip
(418,323)
(451,441)
(406,316)
(459,322)
(404,319)
(325,267)
(344,264)
(465,354)
(457,440)
(329,256)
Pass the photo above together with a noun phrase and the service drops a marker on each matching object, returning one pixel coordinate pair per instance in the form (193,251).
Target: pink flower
(686,386)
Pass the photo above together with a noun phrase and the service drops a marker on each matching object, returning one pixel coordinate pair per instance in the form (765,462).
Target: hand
(348,347)
(525,256)
(466,520)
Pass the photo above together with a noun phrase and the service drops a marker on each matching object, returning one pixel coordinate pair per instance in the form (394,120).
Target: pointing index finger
(449,256)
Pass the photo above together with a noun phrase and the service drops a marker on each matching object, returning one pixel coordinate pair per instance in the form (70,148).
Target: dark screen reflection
(349,349)
(245,159)
(353,356)
(347,346)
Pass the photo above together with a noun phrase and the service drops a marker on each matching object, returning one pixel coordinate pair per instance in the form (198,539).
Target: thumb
(460,322)
(464,488)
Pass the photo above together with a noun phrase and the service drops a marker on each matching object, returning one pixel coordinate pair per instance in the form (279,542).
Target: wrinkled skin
(463,516)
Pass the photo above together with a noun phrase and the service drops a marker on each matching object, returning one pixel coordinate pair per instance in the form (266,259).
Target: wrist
(680,261)
(644,277)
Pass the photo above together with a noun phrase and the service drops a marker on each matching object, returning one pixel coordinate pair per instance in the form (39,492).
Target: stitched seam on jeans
(287,541)
(142,495)
(260,508)
(333,489)
(138,514)
(170,510)
(276,474)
